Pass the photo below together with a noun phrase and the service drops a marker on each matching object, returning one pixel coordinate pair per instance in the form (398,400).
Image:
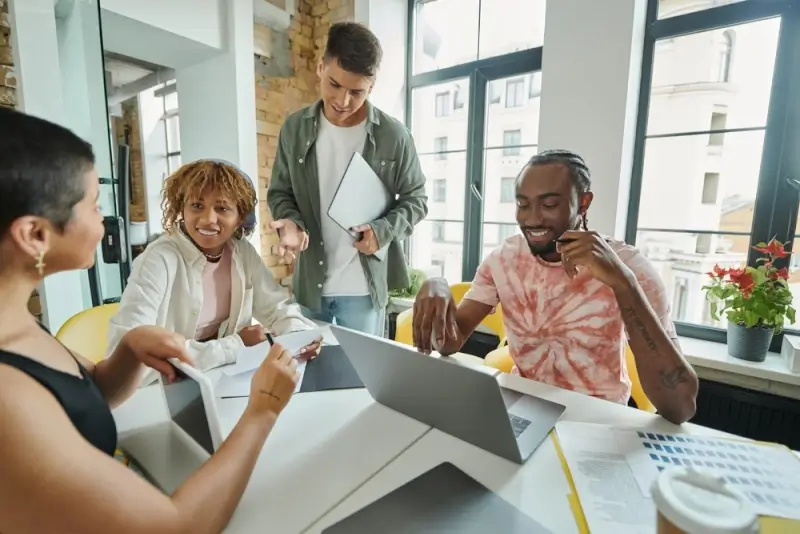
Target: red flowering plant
(753,296)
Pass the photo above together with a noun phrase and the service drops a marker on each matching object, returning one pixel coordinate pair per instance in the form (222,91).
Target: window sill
(711,361)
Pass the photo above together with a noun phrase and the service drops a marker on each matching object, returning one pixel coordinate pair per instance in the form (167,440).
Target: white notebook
(360,199)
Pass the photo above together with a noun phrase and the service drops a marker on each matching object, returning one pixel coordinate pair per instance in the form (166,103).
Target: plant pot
(750,344)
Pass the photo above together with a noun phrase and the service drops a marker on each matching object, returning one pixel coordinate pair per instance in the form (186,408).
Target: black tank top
(81,399)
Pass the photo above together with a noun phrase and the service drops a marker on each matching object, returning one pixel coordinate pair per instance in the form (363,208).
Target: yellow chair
(86,332)
(500,358)
(637,392)
(404,324)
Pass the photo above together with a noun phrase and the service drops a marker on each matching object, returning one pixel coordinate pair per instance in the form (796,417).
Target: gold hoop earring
(40,263)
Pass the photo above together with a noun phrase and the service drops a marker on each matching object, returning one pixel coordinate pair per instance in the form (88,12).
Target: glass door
(83,79)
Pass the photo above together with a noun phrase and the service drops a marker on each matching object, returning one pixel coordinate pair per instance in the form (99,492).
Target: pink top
(216,297)
(566,333)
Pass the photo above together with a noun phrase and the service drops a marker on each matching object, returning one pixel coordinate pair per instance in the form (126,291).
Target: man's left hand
(591,250)
(368,243)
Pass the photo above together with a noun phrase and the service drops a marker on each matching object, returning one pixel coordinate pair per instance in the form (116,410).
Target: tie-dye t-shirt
(563,332)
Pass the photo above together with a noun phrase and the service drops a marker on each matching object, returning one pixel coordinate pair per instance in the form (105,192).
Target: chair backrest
(493,321)
(637,392)
(86,332)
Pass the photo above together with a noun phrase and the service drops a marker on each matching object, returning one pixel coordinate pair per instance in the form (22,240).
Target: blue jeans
(356,313)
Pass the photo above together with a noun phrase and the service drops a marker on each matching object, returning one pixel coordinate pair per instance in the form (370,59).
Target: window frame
(776,204)
(479,72)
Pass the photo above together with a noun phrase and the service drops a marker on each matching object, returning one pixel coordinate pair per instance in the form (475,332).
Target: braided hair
(578,171)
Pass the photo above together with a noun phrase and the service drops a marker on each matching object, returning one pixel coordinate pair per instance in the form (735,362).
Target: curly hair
(192,179)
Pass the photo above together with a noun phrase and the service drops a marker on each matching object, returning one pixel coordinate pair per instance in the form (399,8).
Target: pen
(565,240)
(269,338)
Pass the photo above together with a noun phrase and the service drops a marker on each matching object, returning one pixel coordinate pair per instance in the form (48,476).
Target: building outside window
(440,148)
(511,141)
(443,104)
(515,93)
(440,190)
(508,191)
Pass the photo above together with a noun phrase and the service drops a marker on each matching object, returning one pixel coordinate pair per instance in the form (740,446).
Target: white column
(387,20)
(39,93)
(590,89)
(217,100)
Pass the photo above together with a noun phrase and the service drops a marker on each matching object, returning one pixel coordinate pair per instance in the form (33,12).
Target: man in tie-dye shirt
(571,299)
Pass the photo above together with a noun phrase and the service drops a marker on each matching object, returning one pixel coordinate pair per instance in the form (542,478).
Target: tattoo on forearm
(673,379)
(639,325)
(270,394)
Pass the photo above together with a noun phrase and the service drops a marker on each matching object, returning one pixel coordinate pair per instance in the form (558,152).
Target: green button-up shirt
(294,194)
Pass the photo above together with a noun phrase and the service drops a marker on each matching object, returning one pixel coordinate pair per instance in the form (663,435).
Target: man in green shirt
(339,278)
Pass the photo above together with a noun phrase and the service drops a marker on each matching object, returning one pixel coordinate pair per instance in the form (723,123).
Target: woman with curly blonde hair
(202,278)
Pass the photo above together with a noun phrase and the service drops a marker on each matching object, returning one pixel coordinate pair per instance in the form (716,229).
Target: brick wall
(286,81)
(7,80)
(130,118)
(8,84)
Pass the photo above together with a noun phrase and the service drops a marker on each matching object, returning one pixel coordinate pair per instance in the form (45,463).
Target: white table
(324,446)
(539,487)
(335,452)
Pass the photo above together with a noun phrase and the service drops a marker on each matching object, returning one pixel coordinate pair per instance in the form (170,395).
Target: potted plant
(417,278)
(756,301)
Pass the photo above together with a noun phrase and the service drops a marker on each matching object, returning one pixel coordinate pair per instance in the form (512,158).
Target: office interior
(685,110)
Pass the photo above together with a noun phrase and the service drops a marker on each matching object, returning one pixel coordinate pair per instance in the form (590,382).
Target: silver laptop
(463,402)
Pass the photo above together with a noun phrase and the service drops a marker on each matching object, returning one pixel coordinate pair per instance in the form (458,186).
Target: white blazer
(166,289)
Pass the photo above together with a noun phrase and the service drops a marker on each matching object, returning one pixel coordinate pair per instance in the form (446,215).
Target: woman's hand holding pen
(310,351)
(591,250)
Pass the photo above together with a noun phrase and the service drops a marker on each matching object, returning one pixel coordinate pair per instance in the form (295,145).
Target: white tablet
(191,405)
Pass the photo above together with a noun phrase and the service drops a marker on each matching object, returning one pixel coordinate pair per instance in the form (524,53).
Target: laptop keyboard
(518,424)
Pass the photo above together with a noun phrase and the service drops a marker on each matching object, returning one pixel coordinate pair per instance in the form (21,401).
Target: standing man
(338,277)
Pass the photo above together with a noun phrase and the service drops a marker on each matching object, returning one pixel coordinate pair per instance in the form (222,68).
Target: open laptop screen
(186,409)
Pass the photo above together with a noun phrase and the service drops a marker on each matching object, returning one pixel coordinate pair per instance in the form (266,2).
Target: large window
(716,144)
(493,56)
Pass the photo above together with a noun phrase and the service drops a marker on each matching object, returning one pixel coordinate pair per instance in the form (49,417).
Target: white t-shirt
(334,147)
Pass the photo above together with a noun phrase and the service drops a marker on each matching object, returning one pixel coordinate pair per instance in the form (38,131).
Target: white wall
(39,90)
(590,95)
(217,99)
(387,20)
